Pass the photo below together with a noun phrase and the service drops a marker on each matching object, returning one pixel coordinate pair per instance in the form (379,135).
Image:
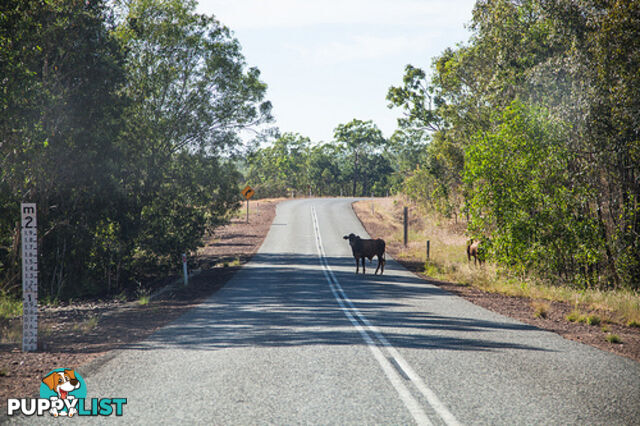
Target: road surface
(297,337)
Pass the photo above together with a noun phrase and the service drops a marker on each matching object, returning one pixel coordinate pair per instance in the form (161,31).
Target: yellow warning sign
(248,192)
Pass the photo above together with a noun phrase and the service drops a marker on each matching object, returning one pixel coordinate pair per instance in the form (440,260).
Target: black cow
(366,248)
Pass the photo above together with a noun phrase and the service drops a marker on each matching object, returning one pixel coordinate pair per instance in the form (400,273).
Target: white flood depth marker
(29,277)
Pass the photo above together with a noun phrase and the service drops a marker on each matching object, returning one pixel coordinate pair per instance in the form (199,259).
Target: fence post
(428,244)
(406,224)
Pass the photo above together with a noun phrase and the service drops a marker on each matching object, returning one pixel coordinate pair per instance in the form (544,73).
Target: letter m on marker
(28,210)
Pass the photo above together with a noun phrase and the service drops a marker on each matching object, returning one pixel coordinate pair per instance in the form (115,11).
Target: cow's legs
(380,265)
(363,266)
(357,265)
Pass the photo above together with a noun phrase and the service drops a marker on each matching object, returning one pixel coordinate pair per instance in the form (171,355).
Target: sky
(328,62)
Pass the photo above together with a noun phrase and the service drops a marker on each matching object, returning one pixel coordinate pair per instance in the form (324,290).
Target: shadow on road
(281,300)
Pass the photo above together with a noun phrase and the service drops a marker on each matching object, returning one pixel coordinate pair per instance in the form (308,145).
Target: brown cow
(475,249)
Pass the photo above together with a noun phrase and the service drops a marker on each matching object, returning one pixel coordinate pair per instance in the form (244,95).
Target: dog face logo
(63,384)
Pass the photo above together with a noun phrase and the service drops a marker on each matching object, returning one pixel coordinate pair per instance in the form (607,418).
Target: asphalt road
(297,337)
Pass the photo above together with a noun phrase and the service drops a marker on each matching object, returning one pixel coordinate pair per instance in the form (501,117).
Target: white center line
(353,314)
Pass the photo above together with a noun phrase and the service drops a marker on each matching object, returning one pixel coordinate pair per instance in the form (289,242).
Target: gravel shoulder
(75,334)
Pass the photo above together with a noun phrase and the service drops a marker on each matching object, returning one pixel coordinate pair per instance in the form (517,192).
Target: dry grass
(240,214)
(86,326)
(11,332)
(540,309)
(448,262)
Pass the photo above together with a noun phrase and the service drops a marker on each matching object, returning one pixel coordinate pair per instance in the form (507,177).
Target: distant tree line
(358,162)
(117,119)
(534,133)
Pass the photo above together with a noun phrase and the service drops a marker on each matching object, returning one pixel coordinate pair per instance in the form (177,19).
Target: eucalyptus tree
(359,138)
(60,72)
(279,168)
(117,119)
(190,91)
(323,169)
(538,114)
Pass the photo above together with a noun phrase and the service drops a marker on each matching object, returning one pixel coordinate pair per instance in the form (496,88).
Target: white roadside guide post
(184,269)
(29,277)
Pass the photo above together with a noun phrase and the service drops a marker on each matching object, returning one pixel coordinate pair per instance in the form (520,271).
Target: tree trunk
(610,262)
(355,173)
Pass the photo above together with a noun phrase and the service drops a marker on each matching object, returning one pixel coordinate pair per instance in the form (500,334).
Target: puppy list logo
(63,392)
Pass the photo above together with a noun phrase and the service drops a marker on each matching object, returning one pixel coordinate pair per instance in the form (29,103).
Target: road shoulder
(519,308)
(80,334)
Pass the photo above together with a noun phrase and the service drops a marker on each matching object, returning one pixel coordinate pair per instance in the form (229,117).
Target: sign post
(248,192)
(29,277)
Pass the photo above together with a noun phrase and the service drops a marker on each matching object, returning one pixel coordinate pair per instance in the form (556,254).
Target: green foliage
(292,164)
(189,94)
(359,139)
(58,122)
(520,194)
(534,134)
(324,171)
(613,338)
(280,168)
(593,320)
(416,99)
(10,307)
(116,119)
(574,316)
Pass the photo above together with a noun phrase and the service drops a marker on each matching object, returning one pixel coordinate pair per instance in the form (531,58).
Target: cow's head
(352,238)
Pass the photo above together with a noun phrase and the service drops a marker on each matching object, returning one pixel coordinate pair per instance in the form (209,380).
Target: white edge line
(431,397)
(409,401)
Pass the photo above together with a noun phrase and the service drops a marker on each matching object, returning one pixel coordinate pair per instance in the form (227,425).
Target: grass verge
(10,307)
(448,262)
